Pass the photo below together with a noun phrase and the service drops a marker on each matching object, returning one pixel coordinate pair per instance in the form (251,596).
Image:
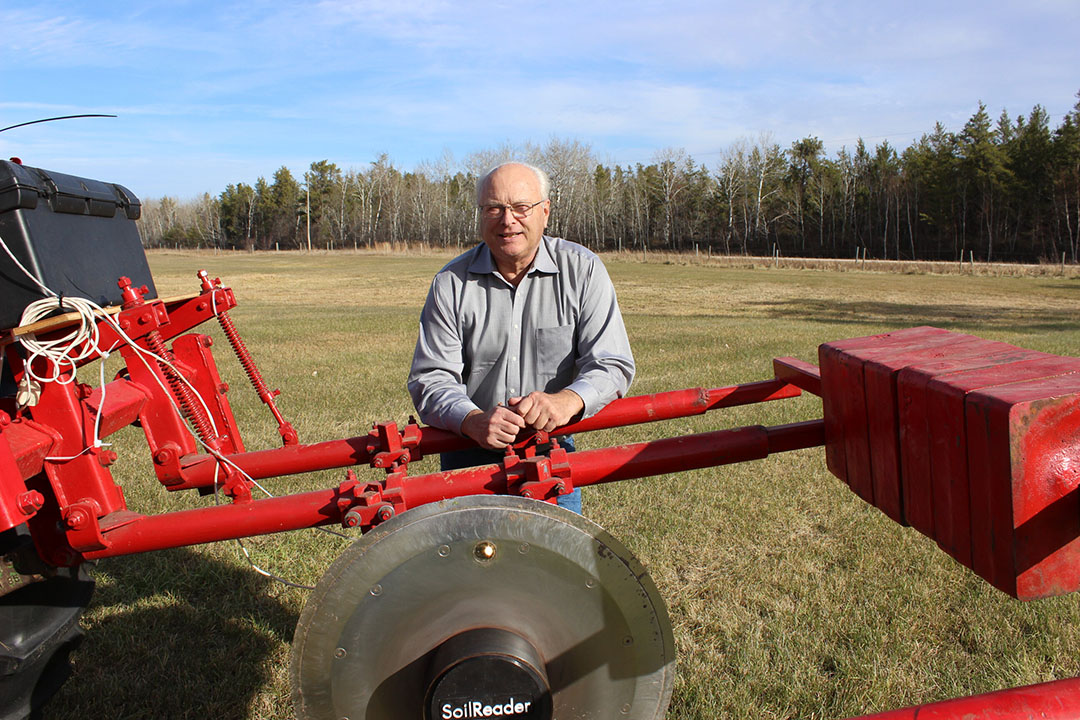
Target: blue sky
(211,93)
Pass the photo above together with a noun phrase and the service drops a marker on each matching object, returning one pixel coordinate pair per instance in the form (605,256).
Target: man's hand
(494,429)
(547,411)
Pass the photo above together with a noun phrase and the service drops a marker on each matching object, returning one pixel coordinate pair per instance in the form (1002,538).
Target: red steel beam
(295,459)
(798,372)
(1057,700)
(680,403)
(588,467)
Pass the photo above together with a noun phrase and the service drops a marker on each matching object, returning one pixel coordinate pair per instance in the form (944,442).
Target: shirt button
(512,391)
(513,359)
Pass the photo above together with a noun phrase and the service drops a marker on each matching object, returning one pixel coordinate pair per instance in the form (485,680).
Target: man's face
(513,241)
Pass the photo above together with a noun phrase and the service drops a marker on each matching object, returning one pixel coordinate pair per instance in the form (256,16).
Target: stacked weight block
(974,443)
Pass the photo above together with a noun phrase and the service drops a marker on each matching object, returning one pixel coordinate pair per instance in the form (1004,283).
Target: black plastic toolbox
(75,235)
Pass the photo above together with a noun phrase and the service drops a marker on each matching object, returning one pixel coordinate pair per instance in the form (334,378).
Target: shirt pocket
(554,350)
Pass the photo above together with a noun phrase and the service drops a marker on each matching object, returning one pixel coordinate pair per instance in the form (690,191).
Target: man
(522,331)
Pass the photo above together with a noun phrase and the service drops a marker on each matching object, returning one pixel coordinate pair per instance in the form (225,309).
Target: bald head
(541,178)
(514,213)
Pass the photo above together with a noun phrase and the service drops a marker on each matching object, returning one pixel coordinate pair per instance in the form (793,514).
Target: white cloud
(231,87)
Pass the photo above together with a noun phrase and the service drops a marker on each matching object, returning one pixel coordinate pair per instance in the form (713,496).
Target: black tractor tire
(39,627)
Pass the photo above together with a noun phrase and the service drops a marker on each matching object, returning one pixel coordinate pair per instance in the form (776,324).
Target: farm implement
(470,594)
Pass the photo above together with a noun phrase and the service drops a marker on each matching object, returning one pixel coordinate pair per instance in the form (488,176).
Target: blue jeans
(472,457)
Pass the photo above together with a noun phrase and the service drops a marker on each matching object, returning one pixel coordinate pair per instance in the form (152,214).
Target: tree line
(1004,189)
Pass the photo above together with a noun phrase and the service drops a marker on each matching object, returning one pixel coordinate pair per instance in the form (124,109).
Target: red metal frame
(876,392)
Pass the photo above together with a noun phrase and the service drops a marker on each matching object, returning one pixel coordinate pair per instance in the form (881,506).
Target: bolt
(143,319)
(30,502)
(106,458)
(223,388)
(527,492)
(164,456)
(560,487)
(206,341)
(444,550)
(385,513)
(125,324)
(4,418)
(484,551)
(201,307)
(340,653)
(352,519)
(83,390)
(77,518)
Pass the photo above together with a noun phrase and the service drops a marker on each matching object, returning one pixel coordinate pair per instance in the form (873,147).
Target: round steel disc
(364,642)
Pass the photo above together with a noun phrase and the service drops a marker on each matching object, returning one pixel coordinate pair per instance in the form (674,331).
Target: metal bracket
(363,505)
(391,449)
(541,477)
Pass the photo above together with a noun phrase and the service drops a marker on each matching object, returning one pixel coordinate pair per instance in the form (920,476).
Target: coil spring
(189,405)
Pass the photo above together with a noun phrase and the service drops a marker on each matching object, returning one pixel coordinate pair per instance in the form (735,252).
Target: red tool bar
(221,522)
(628,462)
(691,452)
(291,460)
(680,403)
(1058,700)
(589,467)
(296,459)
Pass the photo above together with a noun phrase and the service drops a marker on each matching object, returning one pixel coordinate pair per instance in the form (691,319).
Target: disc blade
(365,639)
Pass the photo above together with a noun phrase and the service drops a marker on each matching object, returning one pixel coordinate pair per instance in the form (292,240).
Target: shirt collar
(483,263)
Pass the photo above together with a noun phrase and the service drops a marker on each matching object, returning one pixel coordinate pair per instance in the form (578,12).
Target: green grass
(790,597)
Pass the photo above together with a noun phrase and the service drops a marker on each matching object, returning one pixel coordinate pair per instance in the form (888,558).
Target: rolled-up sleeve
(435,380)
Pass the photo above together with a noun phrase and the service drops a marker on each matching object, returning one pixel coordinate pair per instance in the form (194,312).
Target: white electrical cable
(65,352)
(25,271)
(97,416)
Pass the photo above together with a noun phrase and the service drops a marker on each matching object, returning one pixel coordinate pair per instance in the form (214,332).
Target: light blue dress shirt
(483,341)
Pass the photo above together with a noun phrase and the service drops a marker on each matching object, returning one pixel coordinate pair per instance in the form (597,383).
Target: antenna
(59,117)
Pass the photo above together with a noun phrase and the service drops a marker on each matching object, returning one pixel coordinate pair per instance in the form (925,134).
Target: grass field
(790,597)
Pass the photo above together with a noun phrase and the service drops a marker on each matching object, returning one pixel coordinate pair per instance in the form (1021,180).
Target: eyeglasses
(518,210)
